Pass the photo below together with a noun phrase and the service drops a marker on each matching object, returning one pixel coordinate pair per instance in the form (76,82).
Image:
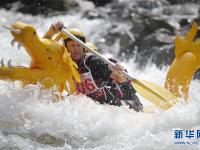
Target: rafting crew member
(99,81)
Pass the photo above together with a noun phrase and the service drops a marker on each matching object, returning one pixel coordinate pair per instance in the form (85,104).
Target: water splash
(29,119)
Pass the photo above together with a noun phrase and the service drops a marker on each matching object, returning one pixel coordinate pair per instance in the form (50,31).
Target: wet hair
(79,37)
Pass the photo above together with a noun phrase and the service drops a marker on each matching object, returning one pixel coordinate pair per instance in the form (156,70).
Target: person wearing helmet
(99,81)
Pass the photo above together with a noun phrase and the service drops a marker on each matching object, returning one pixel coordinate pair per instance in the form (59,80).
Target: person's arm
(101,70)
(117,71)
(116,74)
(53,29)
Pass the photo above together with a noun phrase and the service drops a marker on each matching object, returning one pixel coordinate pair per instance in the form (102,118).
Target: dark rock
(182,1)
(163,55)
(184,22)
(150,38)
(100,2)
(42,7)
(197,74)
(146,25)
(3,2)
(58,5)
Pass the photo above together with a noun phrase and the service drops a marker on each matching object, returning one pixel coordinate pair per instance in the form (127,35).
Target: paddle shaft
(112,64)
(94,52)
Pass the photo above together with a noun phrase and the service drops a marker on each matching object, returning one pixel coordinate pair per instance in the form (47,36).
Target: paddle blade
(156,94)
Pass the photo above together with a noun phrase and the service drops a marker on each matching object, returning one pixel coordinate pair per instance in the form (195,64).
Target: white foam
(28,119)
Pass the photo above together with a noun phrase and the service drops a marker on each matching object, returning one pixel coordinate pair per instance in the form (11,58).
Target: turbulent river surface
(29,120)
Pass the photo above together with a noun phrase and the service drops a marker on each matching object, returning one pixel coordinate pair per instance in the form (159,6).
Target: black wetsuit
(111,92)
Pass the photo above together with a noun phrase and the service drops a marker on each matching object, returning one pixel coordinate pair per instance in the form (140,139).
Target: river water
(29,120)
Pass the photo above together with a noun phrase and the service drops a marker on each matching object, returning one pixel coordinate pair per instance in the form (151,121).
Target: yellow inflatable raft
(50,62)
(185,64)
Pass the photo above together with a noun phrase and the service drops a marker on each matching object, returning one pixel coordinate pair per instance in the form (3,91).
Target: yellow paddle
(156,94)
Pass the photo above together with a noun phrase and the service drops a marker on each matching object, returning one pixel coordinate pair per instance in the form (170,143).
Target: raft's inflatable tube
(51,64)
(185,64)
